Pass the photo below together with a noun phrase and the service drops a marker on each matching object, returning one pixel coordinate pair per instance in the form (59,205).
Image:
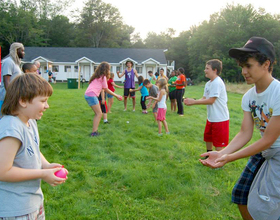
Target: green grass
(128,172)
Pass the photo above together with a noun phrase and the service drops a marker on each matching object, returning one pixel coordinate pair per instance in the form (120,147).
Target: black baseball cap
(255,45)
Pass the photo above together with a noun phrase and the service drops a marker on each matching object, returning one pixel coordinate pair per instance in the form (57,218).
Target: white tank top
(162,102)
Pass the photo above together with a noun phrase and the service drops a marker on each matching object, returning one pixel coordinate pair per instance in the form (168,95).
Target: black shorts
(103,107)
(126,93)
(172,95)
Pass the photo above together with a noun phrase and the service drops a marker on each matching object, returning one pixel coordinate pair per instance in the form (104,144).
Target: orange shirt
(180,80)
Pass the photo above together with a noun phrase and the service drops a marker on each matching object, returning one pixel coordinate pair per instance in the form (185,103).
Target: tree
(160,41)
(100,24)
(61,32)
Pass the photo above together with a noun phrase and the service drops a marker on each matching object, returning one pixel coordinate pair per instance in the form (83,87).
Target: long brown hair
(24,87)
(102,70)
(162,84)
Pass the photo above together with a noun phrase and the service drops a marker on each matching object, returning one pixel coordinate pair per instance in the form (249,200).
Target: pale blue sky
(158,15)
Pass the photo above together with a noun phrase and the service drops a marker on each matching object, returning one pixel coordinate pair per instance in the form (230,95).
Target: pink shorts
(217,133)
(161,114)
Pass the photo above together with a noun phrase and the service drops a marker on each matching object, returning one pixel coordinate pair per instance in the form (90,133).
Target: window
(76,69)
(67,69)
(55,68)
(119,69)
(139,69)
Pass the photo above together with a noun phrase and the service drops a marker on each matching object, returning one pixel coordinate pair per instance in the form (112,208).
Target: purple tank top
(129,80)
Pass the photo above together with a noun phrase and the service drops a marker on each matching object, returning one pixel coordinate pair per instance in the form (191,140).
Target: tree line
(42,23)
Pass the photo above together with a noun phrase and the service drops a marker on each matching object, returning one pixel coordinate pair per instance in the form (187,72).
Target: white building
(66,62)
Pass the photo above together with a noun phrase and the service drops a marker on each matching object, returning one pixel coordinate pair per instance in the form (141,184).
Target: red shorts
(161,114)
(217,133)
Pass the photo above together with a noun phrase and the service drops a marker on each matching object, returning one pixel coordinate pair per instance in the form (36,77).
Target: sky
(159,15)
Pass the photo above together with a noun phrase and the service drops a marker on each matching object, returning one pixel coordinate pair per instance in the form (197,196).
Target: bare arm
(103,96)
(7,79)
(134,90)
(136,74)
(112,93)
(120,76)
(202,101)
(120,87)
(272,132)
(9,173)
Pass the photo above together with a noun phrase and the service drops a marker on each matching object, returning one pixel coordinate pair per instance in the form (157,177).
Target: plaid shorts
(37,215)
(241,189)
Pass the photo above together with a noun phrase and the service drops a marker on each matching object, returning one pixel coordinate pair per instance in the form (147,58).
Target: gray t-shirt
(21,198)
(153,91)
(11,69)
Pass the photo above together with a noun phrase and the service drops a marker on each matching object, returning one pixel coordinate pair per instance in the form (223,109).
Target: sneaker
(133,110)
(106,122)
(160,134)
(94,134)
(167,132)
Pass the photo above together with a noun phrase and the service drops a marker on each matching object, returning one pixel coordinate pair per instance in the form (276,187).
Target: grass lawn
(128,172)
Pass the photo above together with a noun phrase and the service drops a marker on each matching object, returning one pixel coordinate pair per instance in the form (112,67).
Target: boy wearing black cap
(257,190)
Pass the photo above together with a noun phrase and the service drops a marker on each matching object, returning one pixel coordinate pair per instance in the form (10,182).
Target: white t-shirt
(11,69)
(218,111)
(263,106)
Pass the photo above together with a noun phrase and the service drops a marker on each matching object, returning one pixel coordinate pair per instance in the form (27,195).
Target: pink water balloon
(62,173)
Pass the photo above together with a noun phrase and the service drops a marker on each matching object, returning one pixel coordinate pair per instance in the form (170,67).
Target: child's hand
(120,98)
(188,101)
(103,102)
(130,90)
(214,160)
(50,178)
(52,166)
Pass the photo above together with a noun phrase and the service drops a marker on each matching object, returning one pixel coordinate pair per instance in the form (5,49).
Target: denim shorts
(109,96)
(92,100)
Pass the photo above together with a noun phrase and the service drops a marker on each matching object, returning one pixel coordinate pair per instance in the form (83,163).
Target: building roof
(97,55)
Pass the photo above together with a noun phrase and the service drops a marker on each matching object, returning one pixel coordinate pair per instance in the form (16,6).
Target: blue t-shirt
(144,91)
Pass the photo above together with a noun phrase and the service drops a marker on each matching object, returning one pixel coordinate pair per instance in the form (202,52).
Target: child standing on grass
(129,83)
(257,191)
(22,165)
(111,86)
(215,97)
(97,82)
(144,94)
(153,91)
(161,100)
